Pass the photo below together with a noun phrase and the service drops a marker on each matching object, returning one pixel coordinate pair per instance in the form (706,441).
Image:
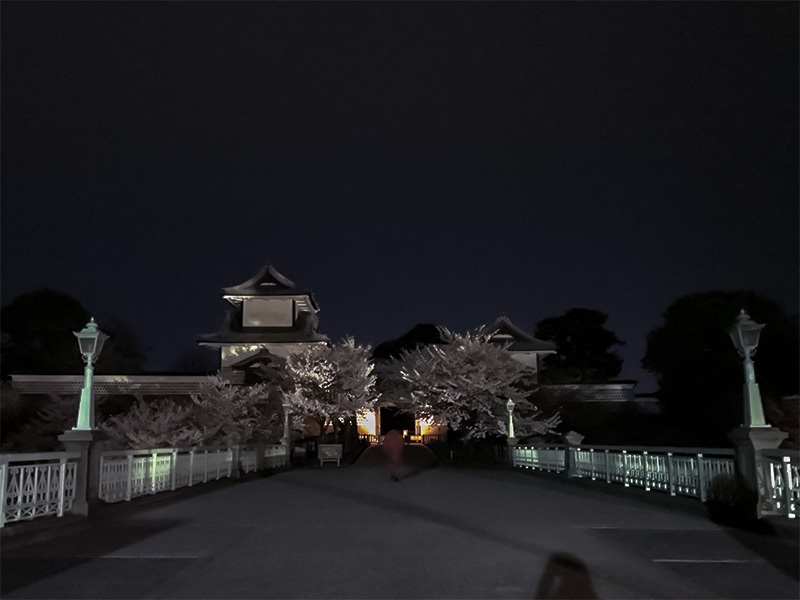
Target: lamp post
(754,436)
(744,334)
(510,408)
(84,438)
(90,342)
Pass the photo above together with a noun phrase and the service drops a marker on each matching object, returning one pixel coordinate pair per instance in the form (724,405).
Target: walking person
(393,444)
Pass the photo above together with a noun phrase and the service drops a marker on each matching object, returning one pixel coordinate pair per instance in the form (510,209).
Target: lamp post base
(88,442)
(748,442)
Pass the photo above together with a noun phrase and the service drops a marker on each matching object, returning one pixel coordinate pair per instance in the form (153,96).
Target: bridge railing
(685,471)
(690,472)
(425,438)
(545,458)
(37,485)
(130,473)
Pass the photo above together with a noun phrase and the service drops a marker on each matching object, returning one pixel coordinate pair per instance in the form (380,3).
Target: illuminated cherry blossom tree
(160,423)
(466,382)
(331,383)
(238,414)
(220,413)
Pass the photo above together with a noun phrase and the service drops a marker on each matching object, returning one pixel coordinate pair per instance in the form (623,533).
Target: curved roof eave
(270,282)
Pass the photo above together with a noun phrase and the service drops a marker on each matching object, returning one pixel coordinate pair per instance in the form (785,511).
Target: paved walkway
(441,533)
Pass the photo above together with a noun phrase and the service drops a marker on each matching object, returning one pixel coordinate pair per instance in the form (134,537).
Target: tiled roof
(269,282)
(522,341)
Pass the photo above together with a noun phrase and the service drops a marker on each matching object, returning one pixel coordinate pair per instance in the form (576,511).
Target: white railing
(685,471)
(37,485)
(779,482)
(427,438)
(550,458)
(131,473)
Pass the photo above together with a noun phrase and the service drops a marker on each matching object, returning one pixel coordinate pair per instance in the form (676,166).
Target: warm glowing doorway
(392,418)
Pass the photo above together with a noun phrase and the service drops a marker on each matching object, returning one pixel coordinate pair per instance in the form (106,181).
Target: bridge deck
(442,533)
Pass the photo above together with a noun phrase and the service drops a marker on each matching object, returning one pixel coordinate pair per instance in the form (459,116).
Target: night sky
(408,162)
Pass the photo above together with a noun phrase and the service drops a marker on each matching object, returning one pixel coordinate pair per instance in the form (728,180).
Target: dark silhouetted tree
(422,334)
(123,353)
(39,326)
(699,371)
(197,361)
(585,347)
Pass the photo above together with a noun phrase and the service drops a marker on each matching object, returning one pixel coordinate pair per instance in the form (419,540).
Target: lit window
(268,312)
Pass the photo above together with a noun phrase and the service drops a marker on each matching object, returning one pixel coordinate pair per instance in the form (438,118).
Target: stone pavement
(350,532)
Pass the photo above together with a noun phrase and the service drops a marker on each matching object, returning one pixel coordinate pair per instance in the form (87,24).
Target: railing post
(62,476)
(625,470)
(191,467)
(646,472)
(35,488)
(3,487)
(205,467)
(174,467)
(671,473)
(788,483)
(49,483)
(592,463)
(101,493)
(153,463)
(607,467)
(701,478)
(129,479)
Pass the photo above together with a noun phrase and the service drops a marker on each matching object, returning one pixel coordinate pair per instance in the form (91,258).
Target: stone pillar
(748,442)
(572,440)
(89,442)
(236,461)
(512,442)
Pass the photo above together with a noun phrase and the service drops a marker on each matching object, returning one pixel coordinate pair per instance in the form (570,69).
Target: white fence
(679,471)
(546,458)
(131,473)
(779,482)
(426,438)
(37,485)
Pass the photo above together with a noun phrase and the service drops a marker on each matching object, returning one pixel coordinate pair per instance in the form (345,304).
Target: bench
(329,453)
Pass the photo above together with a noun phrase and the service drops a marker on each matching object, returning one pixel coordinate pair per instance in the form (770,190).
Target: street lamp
(90,342)
(510,408)
(744,334)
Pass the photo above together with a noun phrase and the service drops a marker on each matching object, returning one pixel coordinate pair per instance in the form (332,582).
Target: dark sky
(408,162)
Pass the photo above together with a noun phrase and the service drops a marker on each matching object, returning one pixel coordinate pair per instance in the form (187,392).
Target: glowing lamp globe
(90,340)
(745,333)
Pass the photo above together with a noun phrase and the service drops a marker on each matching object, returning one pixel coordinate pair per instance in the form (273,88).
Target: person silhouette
(393,444)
